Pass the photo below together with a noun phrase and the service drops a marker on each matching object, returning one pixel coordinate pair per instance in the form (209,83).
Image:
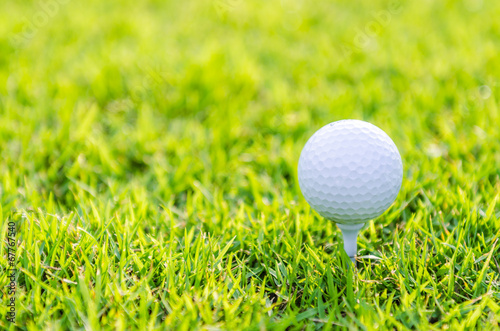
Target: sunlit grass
(149,152)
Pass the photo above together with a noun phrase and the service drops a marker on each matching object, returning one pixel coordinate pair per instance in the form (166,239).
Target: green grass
(149,152)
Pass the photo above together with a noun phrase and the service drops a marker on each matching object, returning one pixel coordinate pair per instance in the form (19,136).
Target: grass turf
(149,152)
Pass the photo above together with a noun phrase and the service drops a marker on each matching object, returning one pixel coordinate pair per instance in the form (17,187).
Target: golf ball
(350,171)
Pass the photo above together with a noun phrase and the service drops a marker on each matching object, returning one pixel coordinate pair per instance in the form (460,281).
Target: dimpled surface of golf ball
(350,171)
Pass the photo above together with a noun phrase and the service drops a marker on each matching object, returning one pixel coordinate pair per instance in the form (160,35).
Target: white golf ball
(350,171)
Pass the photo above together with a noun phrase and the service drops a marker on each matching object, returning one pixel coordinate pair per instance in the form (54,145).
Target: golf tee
(350,235)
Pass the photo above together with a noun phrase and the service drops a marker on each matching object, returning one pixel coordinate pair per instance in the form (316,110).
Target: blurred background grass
(152,103)
(119,88)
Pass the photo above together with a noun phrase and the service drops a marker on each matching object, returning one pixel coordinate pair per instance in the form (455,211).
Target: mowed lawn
(148,159)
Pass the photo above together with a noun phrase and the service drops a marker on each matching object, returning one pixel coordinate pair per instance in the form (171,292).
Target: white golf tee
(350,234)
